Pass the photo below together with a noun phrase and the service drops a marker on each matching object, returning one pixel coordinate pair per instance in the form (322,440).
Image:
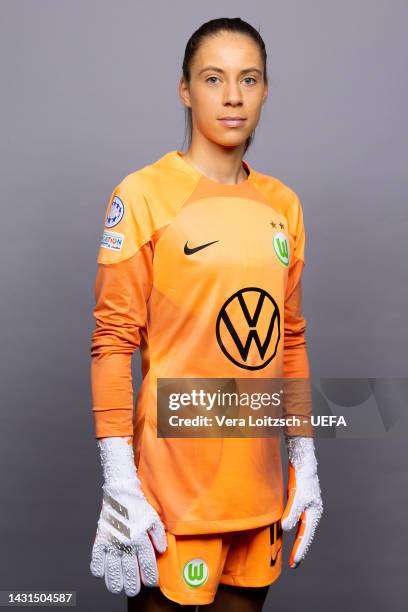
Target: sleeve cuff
(114,422)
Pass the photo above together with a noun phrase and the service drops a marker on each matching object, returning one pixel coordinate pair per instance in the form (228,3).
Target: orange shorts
(191,567)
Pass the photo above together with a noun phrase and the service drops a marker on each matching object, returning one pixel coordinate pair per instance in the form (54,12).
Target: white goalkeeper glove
(304,504)
(122,550)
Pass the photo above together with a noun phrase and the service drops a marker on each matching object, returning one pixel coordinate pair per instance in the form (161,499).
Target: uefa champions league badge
(116,212)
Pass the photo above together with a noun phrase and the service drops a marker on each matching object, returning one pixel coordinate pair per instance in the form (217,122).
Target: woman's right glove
(122,551)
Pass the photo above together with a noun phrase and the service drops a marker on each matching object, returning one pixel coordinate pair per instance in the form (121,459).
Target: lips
(232,121)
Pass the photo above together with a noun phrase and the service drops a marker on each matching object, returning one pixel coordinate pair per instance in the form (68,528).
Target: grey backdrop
(89,94)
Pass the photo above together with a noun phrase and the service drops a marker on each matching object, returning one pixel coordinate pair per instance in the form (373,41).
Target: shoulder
(275,190)
(138,183)
(143,201)
(282,197)
(159,185)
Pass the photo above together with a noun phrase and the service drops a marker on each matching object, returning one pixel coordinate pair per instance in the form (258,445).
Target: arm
(304,505)
(296,367)
(121,293)
(122,551)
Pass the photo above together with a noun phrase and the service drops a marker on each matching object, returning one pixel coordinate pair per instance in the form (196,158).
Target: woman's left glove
(304,504)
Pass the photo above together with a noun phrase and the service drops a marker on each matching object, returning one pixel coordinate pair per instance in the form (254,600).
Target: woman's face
(226,81)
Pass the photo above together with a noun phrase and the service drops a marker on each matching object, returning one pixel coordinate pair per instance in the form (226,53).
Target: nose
(232,94)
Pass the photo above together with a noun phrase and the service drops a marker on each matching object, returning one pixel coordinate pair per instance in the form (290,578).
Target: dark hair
(211,28)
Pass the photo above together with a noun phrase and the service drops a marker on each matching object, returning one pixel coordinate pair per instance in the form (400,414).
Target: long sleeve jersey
(188,268)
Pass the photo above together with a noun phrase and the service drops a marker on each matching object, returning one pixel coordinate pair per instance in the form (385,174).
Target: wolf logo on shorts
(195,572)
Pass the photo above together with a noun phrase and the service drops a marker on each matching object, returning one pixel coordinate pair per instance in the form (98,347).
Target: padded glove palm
(304,505)
(123,552)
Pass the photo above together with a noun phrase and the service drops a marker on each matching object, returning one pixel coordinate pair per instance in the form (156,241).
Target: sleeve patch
(112,240)
(116,212)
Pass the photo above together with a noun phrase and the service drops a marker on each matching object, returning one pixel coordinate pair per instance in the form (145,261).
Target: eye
(251,79)
(211,77)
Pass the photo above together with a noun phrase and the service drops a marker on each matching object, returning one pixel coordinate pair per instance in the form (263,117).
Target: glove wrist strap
(117,460)
(301,453)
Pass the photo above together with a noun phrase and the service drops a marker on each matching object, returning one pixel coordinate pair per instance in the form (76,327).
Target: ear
(184,92)
(265,94)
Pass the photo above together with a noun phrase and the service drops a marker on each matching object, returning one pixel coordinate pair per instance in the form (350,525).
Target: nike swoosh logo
(273,560)
(190,251)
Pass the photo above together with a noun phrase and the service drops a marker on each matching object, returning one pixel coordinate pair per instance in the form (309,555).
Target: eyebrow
(216,69)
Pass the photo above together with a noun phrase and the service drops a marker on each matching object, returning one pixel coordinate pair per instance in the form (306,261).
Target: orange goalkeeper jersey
(177,249)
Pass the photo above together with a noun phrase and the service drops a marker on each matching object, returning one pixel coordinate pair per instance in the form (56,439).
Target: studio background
(89,94)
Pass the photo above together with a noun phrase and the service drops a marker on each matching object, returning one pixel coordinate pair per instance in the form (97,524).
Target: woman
(200,268)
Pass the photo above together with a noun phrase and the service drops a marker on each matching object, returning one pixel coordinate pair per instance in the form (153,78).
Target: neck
(221,164)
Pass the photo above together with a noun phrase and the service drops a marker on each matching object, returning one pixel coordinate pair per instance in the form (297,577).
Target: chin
(234,140)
